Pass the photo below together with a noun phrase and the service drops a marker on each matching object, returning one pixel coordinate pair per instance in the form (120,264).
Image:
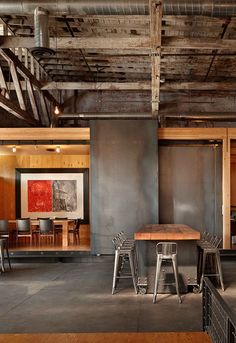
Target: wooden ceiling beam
(124,43)
(139,85)
(155,10)
(116,42)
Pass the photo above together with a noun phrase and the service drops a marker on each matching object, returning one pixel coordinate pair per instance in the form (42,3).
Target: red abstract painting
(39,195)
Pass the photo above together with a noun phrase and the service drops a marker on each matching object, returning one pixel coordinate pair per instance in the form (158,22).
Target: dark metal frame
(218,319)
(85,172)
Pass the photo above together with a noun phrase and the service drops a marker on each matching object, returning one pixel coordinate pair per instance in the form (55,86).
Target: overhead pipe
(213,8)
(105,115)
(204,116)
(147,115)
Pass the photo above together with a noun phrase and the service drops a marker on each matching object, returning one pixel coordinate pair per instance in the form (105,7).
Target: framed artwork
(53,192)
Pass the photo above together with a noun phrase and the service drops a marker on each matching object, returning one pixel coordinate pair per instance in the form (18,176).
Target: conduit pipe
(147,115)
(107,115)
(214,8)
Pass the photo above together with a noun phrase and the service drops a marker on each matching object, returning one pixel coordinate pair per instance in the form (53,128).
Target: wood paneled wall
(233,184)
(7,174)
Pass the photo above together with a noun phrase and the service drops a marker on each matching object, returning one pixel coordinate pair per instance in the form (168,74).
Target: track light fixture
(14,148)
(58,149)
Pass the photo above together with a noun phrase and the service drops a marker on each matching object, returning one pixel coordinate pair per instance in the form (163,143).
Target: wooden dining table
(65,223)
(185,237)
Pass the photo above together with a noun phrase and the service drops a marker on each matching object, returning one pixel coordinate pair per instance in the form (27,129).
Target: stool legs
(158,273)
(132,267)
(175,267)
(157,277)
(115,273)
(120,256)
(203,265)
(216,256)
(219,270)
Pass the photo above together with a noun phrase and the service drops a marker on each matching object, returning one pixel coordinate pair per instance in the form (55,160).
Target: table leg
(65,234)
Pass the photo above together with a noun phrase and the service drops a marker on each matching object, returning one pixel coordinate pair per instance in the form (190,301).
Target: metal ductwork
(41,34)
(214,8)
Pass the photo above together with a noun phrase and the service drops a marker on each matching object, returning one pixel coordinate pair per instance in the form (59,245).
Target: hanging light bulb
(14,148)
(58,149)
(57,110)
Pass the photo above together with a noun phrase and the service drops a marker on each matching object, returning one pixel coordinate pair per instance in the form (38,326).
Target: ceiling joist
(119,42)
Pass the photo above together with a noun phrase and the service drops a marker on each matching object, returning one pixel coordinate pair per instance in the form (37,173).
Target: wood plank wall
(7,174)
(233,175)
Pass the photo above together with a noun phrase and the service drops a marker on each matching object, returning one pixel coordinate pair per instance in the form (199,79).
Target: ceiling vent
(41,34)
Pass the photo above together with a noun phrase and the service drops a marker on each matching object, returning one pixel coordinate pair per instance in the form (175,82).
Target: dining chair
(46,230)
(75,231)
(23,229)
(4,228)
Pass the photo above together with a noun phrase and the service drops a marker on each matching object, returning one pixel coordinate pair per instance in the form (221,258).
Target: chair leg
(157,276)
(8,257)
(175,267)
(2,256)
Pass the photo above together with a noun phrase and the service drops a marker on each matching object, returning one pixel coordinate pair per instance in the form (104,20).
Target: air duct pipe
(41,33)
(213,8)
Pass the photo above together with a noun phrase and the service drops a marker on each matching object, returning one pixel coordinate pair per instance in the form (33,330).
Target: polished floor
(76,297)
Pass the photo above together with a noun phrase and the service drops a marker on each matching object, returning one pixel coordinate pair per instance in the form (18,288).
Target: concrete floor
(76,297)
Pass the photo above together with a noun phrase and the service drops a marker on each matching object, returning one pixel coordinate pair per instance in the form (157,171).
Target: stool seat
(166,251)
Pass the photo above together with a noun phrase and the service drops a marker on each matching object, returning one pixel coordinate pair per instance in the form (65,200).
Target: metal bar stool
(124,253)
(4,248)
(209,259)
(166,251)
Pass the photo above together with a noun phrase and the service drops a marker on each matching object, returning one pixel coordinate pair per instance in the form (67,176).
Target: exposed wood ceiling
(191,61)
